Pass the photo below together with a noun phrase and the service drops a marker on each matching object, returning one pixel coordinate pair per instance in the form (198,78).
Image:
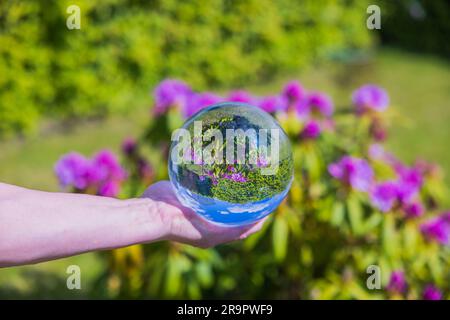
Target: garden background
(85,90)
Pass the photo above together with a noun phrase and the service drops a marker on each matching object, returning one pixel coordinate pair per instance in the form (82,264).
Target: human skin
(37,226)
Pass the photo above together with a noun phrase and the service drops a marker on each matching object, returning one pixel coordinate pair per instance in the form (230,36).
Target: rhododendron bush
(353,207)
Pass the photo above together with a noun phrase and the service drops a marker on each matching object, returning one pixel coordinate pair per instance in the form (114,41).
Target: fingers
(209,234)
(255,228)
(242,232)
(160,187)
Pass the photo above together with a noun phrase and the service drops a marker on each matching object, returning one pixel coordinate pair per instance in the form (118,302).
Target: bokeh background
(85,90)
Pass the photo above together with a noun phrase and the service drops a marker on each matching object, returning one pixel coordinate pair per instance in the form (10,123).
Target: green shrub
(125,45)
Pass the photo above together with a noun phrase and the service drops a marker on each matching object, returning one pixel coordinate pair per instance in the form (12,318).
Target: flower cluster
(308,106)
(311,130)
(352,171)
(101,175)
(432,293)
(170,93)
(365,171)
(370,98)
(230,175)
(438,229)
(362,194)
(401,192)
(398,286)
(397,282)
(314,110)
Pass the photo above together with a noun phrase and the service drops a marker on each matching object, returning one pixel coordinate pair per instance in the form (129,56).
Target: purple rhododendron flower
(272,104)
(315,103)
(200,101)
(107,166)
(311,130)
(353,171)
(409,183)
(446,216)
(241,96)
(437,229)
(410,176)
(236,177)
(406,192)
(293,92)
(321,103)
(129,146)
(103,174)
(170,93)
(262,162)
(384,195)
(212,176)
(397,282)
(109,189)
(401,191)
(370,97)
(432,293)
(73,169)
(414,210)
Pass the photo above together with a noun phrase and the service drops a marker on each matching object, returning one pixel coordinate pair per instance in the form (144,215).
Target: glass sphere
(231,163)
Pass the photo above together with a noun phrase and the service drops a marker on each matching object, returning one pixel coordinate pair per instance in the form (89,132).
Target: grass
(29,163)
(48,280)
(419,88)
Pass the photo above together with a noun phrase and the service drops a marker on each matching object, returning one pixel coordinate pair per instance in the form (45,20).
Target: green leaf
(338,214)
(280,238)
(194,290)
(293,221)
(157,276)
(372,222)
(173,276)
(175,119)
(204,274)
(389,238)
(312,163)
(306,255)
(355,215)
(410,237)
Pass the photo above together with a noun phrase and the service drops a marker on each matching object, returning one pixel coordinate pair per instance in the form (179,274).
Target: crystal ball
(231,163)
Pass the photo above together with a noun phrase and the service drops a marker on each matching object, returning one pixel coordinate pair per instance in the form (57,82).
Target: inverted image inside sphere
(231,163)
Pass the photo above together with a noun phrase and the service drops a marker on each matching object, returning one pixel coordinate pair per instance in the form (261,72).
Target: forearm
(37,226)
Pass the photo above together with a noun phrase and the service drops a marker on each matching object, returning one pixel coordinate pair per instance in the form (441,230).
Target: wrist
(149,220)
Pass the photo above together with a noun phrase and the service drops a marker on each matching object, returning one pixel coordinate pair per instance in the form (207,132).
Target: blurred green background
(60,88)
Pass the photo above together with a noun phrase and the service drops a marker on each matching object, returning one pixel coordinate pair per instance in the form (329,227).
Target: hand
(185,226)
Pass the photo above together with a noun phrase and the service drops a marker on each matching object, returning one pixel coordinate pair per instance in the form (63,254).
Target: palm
(188,227)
